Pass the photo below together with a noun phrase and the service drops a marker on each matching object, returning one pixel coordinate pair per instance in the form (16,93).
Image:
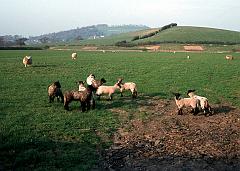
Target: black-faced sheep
(108,90)
(27,60)
(128,86)
(54,90)
(186,102)
(203,102)
(84,97)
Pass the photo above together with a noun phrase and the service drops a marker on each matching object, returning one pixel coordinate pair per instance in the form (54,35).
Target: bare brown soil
(193,48)
(156,138)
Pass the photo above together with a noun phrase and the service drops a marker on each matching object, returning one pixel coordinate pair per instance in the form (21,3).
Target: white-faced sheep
(84,97)
(229,57)
(74,55)
(108,90)
(27,60)
(186,102)
(131,86)
(54,90)
(203,102)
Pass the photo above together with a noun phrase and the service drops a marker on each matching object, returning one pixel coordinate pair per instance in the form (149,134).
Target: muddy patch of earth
(156,138)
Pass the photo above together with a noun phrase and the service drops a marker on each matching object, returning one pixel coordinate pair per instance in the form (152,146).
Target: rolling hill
(178,34)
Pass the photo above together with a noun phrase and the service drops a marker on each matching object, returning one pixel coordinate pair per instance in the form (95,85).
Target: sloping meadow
(37,135)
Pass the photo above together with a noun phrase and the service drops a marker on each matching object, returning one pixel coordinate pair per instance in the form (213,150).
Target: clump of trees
(124,43)
(155,32)
(16,40)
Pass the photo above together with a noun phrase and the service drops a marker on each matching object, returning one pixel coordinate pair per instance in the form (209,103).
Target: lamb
(84,97)
(27,60)
(203,102)
(74,55)
(108,90)
(186,102)
(229,57)
(128,86)
(54,90)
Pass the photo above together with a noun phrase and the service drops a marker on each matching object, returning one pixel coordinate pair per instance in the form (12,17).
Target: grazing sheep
(229,57)
(188,57)
(203,102)
(27,60)
(84,97)
(128,86)
(108,90)
(74,55)
(186,102)
(54,90)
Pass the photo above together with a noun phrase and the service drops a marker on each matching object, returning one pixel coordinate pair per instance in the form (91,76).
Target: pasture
(36,135)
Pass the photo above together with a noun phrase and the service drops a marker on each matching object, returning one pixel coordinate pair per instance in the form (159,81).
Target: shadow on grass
(52,155)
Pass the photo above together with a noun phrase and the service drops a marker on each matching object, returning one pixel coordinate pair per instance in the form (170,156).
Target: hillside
(179,34)
(89,32)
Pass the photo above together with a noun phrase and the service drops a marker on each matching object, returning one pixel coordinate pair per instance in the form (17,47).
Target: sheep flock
(92,89)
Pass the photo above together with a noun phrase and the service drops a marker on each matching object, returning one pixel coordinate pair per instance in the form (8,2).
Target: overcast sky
(36,17)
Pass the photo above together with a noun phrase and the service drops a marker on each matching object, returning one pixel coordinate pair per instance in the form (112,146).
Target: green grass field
(179,34)
(36,135)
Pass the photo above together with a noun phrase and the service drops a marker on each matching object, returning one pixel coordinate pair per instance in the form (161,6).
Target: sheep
(84,96)
(90,78)
(94,84)
(203,102)
(229,57)
(54,90)
(188,57)
(27,60)
(128,86)
(186,102)
(108,90)
(74,55)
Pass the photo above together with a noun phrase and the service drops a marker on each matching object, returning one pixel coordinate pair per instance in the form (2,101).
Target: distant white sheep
(229,57)
(27,60)
(74,55)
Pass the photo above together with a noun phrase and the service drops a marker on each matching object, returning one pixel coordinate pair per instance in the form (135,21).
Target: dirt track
(166,141)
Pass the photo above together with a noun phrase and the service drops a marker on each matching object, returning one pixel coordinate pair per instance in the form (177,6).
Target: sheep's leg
(83,105)
(93,104)
(195,111)
(62,98)
(66,107)
(98,97)
(180,112)
(88,104)
(50,99)
(110,97)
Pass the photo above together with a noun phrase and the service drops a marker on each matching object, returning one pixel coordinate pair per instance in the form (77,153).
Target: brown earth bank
(159,139)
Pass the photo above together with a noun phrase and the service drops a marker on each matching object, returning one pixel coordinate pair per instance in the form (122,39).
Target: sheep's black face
(177,95)
(80,82)
(103,80)
(57,83)
(190,91)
